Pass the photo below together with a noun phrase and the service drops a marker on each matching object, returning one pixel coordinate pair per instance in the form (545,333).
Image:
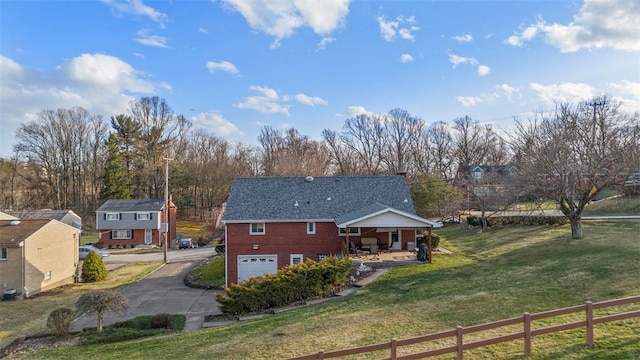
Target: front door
(147,236)
(396,240)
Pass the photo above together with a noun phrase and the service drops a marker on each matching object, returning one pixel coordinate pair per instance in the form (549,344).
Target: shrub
(101,302)
(435,241)
(161,321)
(289,285)
(99,245)
(59,321)
(93,268)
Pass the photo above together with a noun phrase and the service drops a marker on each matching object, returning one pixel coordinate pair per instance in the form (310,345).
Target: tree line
(71,159)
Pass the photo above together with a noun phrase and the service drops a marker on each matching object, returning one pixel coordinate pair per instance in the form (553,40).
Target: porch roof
(381,216)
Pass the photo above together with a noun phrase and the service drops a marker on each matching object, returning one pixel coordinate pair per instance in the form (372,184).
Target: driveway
(162,291)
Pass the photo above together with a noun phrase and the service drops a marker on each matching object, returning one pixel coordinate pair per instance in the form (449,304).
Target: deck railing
(527,332)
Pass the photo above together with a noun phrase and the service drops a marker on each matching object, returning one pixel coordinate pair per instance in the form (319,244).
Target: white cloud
(456,60)
(151,40)
(463,38)
(136,7)
(405,58)
(404,27)
(483,70)
(324,42)
(9,68)
(354,111)
(628,94)
(281,18)
(268,102)
(214,123)
(468,101)
(203,30)
(573,92)
(102,84)
(222,66)
(310,100)
(598,24)
(508,90)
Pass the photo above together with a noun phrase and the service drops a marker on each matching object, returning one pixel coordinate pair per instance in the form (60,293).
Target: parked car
(86,249)
(186,243)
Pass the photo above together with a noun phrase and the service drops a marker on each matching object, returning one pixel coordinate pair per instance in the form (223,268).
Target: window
(3,253)
(296,259)
(112,216)
(322,257)
(143,216)
(352,231)
(121,234)
(311,228)
(256,229)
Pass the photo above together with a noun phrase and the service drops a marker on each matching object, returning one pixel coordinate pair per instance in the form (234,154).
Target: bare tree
(342,158)
(442,150)
(478,144)
(364,136)
(101,302)
(402,134)
(573,153)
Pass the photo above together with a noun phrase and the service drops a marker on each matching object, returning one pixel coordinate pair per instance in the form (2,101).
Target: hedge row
(289,285)
(517,220)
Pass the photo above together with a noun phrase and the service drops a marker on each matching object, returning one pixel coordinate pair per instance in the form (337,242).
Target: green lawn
(492,275)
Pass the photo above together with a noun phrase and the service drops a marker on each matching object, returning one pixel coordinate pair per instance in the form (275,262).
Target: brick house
(135,222)
(271,222)
(37,255)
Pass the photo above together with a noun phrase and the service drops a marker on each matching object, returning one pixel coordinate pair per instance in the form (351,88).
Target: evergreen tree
(93,268)
(115,182)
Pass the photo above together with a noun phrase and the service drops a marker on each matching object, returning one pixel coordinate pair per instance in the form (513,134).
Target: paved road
(162,291)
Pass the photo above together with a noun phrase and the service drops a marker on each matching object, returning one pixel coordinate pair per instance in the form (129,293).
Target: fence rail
(527,333)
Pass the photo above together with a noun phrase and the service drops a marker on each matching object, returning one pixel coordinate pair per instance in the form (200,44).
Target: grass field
(492,275)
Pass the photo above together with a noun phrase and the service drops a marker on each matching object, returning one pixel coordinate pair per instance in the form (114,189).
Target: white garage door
(252,265)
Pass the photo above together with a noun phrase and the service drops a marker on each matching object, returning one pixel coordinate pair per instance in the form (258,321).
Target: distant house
(124,223)
(483,184)
(37,255)
(64,216)
(271,222)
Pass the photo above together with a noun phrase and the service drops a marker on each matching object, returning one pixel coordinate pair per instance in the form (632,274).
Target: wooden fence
(527,333)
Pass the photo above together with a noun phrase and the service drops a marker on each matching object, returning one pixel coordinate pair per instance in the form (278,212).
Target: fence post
(589,310)
(394,348)
(321,354)
(459,342)
(527,334)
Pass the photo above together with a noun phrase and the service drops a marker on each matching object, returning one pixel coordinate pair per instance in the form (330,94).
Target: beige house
(37,255)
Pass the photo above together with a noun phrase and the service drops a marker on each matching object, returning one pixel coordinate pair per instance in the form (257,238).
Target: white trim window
(352,231)
(295,259)
(311,228)
(143,216)
(3,253)
(121,234)
(256,229)
(112,216)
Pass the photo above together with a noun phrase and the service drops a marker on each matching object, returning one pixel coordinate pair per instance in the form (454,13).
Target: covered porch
(378,229)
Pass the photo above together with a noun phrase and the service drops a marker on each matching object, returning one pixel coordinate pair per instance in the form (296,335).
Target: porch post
(429,245)
(347,244)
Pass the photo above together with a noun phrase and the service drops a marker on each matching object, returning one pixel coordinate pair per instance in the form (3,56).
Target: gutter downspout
(23,280)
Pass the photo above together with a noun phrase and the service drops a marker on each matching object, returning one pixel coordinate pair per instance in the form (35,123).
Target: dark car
(186,243)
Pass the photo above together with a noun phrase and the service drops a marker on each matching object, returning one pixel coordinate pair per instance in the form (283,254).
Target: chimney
(402,173)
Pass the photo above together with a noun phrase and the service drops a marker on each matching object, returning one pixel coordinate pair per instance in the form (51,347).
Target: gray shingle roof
(324,198)
(118,205)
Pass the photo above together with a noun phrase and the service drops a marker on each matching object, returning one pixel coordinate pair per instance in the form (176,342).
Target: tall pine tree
(115,182)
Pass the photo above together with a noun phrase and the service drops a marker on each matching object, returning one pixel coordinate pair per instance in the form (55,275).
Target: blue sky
(234,66)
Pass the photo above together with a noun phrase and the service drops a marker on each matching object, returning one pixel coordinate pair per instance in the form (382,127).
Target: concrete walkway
(162,291)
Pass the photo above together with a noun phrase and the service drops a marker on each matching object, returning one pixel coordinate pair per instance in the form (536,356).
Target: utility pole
(166,207)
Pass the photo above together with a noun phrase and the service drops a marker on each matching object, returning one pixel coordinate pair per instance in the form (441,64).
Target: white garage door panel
(256,265)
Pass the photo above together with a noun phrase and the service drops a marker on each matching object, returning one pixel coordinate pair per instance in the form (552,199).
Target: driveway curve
(161,292)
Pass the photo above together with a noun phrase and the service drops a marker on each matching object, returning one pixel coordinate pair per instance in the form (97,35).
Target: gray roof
(323,198)
(40,214)
(118,205)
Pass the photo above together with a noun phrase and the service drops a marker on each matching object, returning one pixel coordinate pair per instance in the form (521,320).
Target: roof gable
(319,198)
(14,231)
(378,215)
(121,205)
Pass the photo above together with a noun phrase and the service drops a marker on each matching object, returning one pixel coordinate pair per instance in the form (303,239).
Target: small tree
(100,302)
(59,321)
(93,268)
